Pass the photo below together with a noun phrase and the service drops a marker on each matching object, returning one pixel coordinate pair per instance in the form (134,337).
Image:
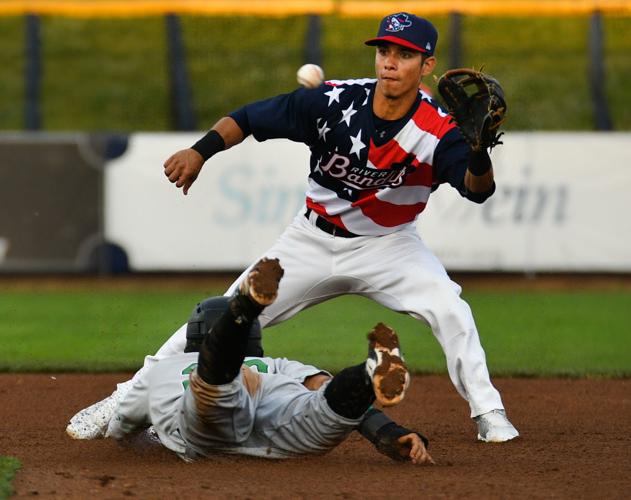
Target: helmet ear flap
(254,346)
(203,318)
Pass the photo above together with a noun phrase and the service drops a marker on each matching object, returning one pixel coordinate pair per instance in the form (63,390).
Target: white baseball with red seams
(310,76)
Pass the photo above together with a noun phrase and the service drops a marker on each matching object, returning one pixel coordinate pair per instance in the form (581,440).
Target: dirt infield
(576,442)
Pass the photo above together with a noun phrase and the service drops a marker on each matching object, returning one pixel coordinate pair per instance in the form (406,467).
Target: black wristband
(393,431)
(209,145)
(479,162)
(371,423)
(381,430)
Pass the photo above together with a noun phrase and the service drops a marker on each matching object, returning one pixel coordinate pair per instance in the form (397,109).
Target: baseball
(310,76)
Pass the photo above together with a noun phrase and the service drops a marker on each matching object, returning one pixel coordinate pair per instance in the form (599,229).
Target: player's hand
(413,447)
(183,167)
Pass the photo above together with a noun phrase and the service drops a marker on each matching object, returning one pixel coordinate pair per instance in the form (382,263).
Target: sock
(350,393)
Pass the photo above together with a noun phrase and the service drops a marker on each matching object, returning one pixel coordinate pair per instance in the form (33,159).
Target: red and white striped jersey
(367,175)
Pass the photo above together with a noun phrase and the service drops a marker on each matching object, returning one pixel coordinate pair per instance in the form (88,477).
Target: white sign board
(238,206)
(562,204)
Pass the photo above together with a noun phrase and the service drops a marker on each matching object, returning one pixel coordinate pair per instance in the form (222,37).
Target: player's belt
(329,227)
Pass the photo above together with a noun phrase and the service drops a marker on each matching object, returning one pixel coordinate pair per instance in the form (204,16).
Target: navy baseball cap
(408,31)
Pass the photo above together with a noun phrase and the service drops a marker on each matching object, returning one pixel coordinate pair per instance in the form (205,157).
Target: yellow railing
(351,8)
(486,7)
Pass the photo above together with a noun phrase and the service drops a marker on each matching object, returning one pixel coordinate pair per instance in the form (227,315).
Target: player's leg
(322,419)
(224,348)
(383,376)
(307,255)
(412,280)
(91,422)
(218,410)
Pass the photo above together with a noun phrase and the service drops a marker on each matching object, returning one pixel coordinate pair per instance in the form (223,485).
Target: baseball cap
(408,31)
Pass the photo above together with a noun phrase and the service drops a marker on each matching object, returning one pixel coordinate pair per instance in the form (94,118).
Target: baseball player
(376,426)
(219,401)
(379,148)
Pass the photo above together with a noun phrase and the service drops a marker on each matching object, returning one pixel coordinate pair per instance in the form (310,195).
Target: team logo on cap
(398,22)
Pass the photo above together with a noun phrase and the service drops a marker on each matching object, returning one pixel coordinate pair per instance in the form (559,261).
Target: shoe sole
(83,427)
(391,377)
(262,281)
(508,436)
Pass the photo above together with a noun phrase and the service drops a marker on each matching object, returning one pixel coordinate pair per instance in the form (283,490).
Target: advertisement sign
(561,205)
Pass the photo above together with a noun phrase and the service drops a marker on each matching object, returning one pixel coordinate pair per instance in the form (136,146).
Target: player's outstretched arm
(183,167)
(393,440)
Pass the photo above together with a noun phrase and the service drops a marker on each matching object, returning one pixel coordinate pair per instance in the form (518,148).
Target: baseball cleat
(494,427)
(261,283)
(385,366)
(92,422)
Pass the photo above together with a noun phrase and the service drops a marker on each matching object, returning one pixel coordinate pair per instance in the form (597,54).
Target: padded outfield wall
(82,203)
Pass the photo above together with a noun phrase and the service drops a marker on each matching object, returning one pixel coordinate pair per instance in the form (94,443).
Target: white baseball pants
(396,270)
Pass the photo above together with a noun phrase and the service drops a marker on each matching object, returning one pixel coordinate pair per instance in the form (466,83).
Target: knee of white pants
(446,313)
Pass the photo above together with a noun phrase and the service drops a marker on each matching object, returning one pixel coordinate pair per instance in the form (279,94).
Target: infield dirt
(575,443)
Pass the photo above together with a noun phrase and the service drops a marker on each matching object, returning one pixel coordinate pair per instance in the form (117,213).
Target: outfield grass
(111,74)
(11,76)
(580,333)
(8,468)
(104,74)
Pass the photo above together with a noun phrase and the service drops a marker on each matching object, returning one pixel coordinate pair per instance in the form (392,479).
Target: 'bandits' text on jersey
(367,175)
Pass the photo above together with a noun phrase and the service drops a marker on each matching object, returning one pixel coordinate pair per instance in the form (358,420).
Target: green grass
(233,62)
(8,468)
(104,74)
(11,76)
(618,68)
(111,74)
(581,333)
(542,64)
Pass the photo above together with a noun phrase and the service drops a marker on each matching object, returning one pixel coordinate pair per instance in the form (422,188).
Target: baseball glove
(476,103)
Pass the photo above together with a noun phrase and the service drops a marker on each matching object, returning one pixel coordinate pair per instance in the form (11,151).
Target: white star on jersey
(367,94)
(358,145)
(322,131)
(346,115)
(334,94)
(317,167)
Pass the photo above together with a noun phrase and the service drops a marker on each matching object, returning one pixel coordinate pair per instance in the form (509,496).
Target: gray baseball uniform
(265,411)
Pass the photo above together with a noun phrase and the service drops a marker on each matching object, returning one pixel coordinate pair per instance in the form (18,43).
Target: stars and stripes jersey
(367,175)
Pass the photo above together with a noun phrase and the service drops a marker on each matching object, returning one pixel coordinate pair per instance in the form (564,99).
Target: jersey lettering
(187,372)
(258,364)
(359,177)
(336,167)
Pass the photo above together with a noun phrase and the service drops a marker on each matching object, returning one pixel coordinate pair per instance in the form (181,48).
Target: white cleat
(494,427)
(92,422)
